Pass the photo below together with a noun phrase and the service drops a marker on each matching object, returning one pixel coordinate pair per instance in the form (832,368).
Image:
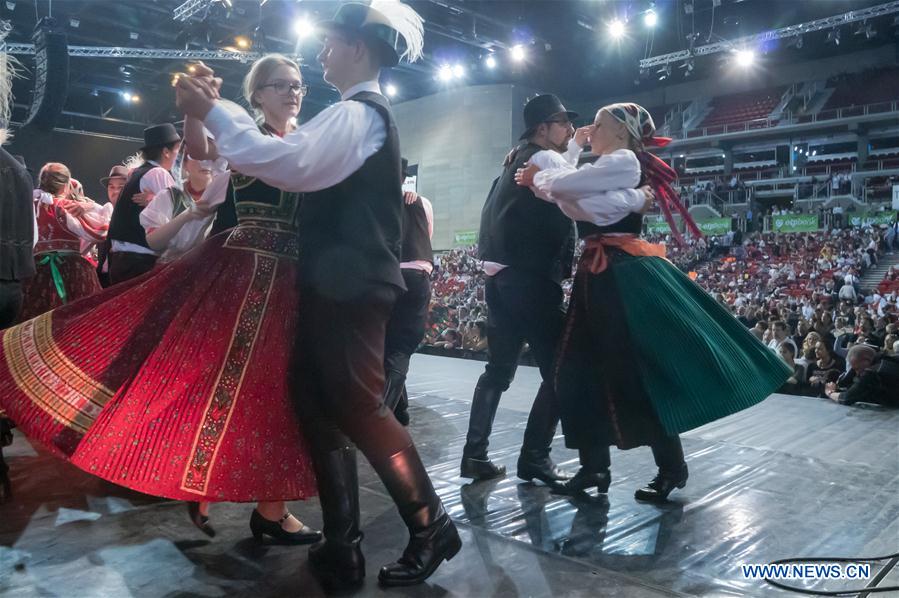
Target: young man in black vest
(347,161)
(114,183)
(407,324)
(130,256)
(527,245)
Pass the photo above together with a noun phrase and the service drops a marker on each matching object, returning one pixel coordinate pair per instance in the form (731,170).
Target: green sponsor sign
(657,226)
(714,226)
(795,223)
(873,218)
(466,237)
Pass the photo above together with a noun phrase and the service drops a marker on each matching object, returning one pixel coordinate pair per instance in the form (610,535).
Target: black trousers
(521,307)
(405,330)
(10,302)
(338,379)
(125,265)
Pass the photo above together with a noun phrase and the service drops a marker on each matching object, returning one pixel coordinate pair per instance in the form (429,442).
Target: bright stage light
(490,62)
(650,19)
(391,90)
(304,28)
(445,73)
(745,58)
(617,29)
(458,71)
(518,53)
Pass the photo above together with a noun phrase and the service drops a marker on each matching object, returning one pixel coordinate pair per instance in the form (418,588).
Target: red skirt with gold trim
(174,383)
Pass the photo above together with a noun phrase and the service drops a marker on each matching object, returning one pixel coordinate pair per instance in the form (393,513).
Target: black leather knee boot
(433,537)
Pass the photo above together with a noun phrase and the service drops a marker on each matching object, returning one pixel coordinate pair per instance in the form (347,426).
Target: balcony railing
(791,119)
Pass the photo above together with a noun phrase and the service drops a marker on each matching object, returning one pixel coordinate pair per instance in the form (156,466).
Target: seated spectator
(780,335)
(874,378)
(793,385)
(827,368)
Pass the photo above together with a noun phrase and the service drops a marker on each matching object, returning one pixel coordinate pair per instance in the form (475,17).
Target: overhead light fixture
(617,29)
(243,42)
(445,73)
(518,53)
(74,23)
(745,58)
(870,32)
(304,28)
(133,35)
(490,61)
(664,72)
(650,18)
(833,37)
(458,71)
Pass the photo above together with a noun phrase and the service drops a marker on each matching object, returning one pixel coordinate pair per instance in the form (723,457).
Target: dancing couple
(609,372)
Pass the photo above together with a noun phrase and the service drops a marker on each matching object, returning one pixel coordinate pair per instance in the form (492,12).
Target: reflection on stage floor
(789,477)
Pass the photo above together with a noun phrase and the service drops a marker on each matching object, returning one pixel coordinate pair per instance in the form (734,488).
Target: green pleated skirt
(647,353)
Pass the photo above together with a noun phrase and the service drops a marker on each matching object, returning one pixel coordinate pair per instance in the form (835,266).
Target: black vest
(416,240)
(16,220)
(521,230)
(350,235)
(125,222)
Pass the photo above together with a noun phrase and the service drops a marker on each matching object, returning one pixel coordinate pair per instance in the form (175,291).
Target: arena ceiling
(567,44)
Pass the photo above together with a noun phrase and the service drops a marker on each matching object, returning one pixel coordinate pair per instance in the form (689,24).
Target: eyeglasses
(284,87)
(564,123)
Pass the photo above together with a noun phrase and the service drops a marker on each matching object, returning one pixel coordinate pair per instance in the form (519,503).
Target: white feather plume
(7,73)
(407,23)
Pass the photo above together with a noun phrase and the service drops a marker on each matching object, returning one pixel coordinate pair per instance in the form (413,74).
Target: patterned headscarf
(659,175)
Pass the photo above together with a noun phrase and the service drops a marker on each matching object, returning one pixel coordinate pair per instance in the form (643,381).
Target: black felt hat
(159,135)
(540,109)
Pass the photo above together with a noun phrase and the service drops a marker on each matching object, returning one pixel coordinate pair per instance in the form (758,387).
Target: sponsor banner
(465,237)
(795,223)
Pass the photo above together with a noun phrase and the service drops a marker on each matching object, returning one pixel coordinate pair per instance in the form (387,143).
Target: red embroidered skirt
(174,383)
(39,293)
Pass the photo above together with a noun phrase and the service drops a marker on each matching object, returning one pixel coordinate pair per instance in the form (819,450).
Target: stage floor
(790,477)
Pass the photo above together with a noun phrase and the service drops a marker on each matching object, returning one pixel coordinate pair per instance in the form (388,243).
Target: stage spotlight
(617,29)
(391,90)
(814,152)
(445,73)
(304,28)
(458,71)
(135,99)
(490,62)
(833,36)
(745,58)
(74,23)
(664,72)
(650,18)
(518,53)
(242,42)
(133,35)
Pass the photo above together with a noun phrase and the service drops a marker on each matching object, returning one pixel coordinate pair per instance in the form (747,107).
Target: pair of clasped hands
(196,93)
(525,176)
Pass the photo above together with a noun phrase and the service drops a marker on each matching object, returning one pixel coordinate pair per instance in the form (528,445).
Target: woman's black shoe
(260,526)
(662,485)
(584,480)
(200,520)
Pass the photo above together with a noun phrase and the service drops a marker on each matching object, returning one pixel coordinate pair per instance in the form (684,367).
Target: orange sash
(596,260)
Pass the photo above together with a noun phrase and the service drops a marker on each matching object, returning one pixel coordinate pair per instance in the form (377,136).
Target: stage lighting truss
(117,52)
(753,41)
(193,7)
